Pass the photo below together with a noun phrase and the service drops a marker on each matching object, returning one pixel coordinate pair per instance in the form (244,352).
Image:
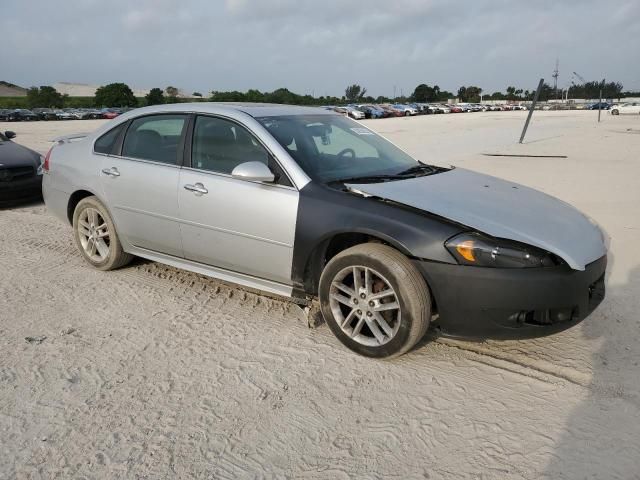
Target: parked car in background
(422,108)
(350,112)
(21,115)
(300,201)
(45,113)
(4,114)
(406,110)
(371,111)
(63,115)
(599,106)
(392,112)
(20,171)
(355,113)
(632,108)
(110,113)
(519,107)
(438,108)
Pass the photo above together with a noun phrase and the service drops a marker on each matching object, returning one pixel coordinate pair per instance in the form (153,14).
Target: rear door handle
(198,188)
(112,172)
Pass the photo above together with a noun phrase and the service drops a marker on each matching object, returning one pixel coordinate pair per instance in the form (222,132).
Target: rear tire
(615,112)
(375,300)
(95,235)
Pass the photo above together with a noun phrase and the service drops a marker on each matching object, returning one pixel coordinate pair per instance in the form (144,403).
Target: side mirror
(253,171)
(9,134)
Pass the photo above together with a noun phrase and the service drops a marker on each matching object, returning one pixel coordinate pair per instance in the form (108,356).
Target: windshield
(333,147)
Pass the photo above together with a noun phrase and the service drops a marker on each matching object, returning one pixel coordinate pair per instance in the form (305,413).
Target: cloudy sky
(319,46)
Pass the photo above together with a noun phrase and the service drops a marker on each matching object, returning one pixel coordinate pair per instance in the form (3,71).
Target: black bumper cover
(495,303)
(20,190)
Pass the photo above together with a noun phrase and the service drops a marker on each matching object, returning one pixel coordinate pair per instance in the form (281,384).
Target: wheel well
(328,249)
(74,200)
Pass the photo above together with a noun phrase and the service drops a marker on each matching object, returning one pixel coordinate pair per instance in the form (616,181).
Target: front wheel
(96,237)
(375,300)
(615,112)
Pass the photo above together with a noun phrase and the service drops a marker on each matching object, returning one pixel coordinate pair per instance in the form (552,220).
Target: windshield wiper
(370,178)
(417,170)
(421,168)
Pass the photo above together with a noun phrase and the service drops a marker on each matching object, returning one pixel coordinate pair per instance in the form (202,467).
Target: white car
(355,113)
(626,108)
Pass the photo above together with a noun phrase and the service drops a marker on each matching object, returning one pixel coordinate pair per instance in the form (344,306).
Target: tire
(402,327)
(110,255)
(406,114)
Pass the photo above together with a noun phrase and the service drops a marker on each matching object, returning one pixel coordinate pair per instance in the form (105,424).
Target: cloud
(310,46)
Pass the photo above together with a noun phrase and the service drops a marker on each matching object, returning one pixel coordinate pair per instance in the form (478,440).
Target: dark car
(20,171)
(22,114)
(599,106)
(45,113)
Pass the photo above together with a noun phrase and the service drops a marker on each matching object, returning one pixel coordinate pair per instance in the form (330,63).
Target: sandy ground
(153,372)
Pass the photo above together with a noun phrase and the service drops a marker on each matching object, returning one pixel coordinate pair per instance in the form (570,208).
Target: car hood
(14,155)
(501,209)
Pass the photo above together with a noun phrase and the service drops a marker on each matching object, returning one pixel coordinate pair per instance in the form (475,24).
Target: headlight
(479,250)
(39,171)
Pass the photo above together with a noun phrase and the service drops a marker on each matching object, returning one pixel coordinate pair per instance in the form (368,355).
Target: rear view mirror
(253,171)
(9,134)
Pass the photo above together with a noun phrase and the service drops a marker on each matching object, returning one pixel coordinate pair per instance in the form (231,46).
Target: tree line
(121,95)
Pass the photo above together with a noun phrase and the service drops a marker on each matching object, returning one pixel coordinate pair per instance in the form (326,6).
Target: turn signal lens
(465,249)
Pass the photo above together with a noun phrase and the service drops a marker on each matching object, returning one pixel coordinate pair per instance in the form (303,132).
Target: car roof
(253,109)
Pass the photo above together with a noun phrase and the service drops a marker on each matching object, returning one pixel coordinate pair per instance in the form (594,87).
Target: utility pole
(394,93)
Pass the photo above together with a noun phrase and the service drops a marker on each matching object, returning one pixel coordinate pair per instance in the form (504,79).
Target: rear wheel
(96,237)
(375,300)
(615,112)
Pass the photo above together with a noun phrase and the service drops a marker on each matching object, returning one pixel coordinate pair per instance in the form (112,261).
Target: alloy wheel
(365,305)
(93,233)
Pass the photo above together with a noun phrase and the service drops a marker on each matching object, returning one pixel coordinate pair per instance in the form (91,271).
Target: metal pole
(533,106)
(599,105)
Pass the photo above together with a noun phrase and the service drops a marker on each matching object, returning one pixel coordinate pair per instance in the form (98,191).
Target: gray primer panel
(502,209)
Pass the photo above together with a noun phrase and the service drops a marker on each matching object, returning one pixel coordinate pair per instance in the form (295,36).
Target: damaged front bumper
(501,303)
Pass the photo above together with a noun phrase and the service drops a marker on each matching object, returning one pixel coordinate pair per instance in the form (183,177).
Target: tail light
(45,165)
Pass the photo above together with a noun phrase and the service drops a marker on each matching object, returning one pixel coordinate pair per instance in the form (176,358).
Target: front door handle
(198,188)
(112,172)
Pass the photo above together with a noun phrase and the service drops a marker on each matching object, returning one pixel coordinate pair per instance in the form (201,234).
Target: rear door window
(155,138)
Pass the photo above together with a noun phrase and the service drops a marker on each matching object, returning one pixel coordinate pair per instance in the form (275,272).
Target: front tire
(95,235)
(375,300)
(615,112)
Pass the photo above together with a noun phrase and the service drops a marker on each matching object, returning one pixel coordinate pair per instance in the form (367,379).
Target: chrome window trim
(140,160)
(294,171)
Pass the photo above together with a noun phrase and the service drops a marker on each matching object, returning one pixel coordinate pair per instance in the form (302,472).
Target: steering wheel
(342,153)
